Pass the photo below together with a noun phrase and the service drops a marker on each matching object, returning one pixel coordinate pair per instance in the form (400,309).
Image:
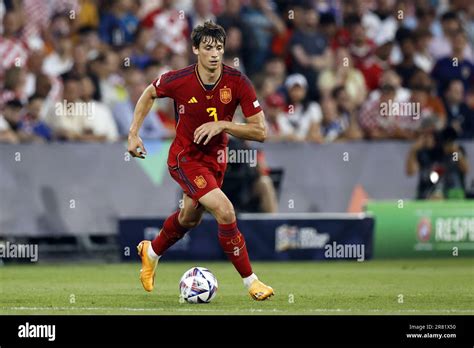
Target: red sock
(171,232)
(233,244)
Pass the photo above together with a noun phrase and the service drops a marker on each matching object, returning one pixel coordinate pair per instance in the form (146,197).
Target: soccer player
(205,97)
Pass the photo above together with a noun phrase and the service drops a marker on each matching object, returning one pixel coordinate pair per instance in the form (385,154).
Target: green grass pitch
(441,286)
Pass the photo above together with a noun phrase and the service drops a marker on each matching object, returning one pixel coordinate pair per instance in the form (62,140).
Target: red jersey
(195,105)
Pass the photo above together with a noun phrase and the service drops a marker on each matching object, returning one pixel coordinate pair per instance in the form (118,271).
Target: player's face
(210,53)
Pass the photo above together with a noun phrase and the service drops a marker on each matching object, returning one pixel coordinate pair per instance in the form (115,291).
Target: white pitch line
(130,309)
(251,310)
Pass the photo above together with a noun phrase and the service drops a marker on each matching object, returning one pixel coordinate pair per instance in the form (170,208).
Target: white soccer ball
(198,285)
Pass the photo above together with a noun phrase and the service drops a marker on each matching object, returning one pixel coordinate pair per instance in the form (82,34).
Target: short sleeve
(162,85)
(248,98)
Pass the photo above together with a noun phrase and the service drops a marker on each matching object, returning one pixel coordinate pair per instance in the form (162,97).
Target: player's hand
(207,130)
(135,146)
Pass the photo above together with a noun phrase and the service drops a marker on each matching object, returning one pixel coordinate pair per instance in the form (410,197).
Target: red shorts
(196,179)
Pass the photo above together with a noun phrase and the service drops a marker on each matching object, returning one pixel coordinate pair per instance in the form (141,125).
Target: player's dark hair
(209,30)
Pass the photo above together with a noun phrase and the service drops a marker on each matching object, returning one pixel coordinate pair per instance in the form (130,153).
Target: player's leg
(264,189)
(174,228)
(176,225)
(233,242)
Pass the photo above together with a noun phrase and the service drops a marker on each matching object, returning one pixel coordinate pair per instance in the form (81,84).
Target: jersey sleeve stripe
(172,75)
(175,77)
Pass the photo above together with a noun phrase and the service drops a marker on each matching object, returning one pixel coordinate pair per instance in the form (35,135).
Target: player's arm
(144,104)
(254,129)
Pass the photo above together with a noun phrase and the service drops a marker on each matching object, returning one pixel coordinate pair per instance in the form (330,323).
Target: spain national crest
(225,95)
(200,181)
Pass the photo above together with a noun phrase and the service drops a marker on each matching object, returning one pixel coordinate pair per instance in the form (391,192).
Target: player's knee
(188,222)
(225,214)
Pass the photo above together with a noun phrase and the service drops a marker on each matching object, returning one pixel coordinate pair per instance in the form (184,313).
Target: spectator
(376,126)
(407,66)
(310,51)
(343,73)
(118,24)
(61,59)
(390,77)
(105,72)
(262,23)
(346,109)
(34,69)
(12,114)
(14,86)
(328,27)
(13,51)
(88,14)
(89,37)
(144,44)
(6,134)
(170,27)
(123,111)
(266,86)
(50,89)
(423,58)
(231,15)
(69,120)
(278,125)
(460,116)
(332,126)
(455,66)
(361,47)
(32,123)
(421,86)
(37,15)
(303,115)
(419,17)
(362,51)
(80,65)
(380,23)
(100,122)
(441,46)
(233,49)
(201,12)
(276,69)
(9,122)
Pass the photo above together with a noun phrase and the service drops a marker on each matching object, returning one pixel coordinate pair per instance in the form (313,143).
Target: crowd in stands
(324,70)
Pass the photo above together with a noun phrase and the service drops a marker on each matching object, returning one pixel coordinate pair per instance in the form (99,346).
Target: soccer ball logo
(198,285)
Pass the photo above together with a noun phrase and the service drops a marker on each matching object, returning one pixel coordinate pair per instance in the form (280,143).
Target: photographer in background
(440,161)
(250,187)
